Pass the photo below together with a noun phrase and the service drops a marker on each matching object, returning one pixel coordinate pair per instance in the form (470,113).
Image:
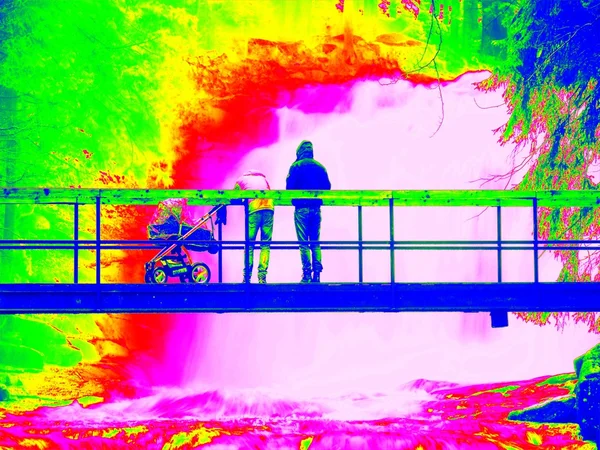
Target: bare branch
(565,42)
(488,107)
(439,85)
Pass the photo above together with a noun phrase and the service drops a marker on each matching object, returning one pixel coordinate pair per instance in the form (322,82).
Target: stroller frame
(175,260)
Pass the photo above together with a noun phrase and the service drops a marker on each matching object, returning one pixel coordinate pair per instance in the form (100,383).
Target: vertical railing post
(535,241)
(392,246)
(75,243)
(98,239)
(499,237)
(360,245)
(499,318)
(247,241)
(220,256)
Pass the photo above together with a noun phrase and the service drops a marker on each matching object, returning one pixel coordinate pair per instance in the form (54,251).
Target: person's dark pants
(308,228)
(260,220)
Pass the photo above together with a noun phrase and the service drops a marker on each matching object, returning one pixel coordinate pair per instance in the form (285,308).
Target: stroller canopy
(176,208)
(171,218)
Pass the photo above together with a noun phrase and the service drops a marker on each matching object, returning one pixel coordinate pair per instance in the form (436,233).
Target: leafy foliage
(550,79)
(84,103)
(86,85)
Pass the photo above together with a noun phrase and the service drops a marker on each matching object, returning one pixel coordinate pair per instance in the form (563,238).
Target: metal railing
(359,199)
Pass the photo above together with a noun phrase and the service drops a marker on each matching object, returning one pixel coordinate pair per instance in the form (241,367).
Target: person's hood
(304,150)
(253,173)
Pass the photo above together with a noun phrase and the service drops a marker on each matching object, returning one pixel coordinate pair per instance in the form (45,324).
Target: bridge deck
(497,298)
(222,298)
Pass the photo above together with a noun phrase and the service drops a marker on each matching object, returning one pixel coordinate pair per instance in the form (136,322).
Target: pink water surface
(378,137)
(419,415)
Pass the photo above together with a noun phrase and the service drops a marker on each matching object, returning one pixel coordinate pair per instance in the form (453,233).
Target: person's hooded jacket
(253,180)
(306,174)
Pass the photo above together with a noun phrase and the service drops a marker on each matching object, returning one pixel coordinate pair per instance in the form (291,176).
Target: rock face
(583,407)
(554,411)
(587,393)
(3,394)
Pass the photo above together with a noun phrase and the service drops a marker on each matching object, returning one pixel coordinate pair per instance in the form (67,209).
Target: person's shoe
(305,277)
(316,277)
(262,279)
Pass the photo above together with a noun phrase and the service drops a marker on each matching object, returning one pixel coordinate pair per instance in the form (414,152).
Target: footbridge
(152,295)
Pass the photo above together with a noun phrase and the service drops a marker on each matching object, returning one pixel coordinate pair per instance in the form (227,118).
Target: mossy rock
(588,407)
(34,338)
(15,357)
(29,332)
(588,363)
(4,395)
(554,411)
(587,391)
(62,355)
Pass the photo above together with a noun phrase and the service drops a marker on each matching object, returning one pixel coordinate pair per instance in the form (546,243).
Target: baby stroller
(171,221)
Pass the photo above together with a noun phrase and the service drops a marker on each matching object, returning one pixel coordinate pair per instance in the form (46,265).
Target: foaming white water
(384,142)
(187,404)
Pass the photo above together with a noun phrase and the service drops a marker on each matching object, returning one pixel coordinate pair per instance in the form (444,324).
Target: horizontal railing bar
(571,198)
(91,247)
(159,242)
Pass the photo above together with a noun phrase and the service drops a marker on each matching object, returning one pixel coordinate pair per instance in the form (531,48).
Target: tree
(550,82)
(93,101)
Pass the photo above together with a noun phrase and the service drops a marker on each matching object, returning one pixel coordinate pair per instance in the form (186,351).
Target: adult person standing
(260,217)
(308,174)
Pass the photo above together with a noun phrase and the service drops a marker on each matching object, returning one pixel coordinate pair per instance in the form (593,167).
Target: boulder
(582,408)
(591,358)
(4,395)
(587,392)
(19,357)
(553,411)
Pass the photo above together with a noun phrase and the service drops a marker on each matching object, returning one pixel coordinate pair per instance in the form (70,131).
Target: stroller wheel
(200,273)
(159,276)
